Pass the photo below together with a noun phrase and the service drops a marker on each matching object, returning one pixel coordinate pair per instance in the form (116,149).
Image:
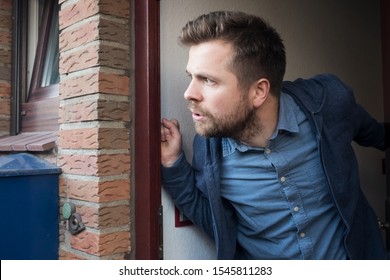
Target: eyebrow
(202,75)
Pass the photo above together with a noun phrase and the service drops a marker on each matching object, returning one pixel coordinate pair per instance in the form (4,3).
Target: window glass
(45,71)
(50,71)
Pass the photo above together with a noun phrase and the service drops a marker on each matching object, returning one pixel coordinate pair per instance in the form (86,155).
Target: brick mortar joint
(7,12)
(93,152)
(96,179)
(97,205)
(108,230)
(97,96)
(94,124)
(5,29)
(97,70)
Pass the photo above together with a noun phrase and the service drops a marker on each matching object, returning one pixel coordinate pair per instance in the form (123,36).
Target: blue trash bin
(28,208)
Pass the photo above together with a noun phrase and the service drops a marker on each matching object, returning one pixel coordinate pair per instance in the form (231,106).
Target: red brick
(101,244)
(83,34)
(93,56)
(78,60)
(111,110)
(92,30)
(120,9)
(5,88)
(78,11)
(95,138)
(114,216)
(114,84)
(5,71)
(83,110)
(89,215)
(105,216)
(92,109)
(79,138)
(63,187)
(93,83)
(5,38)
(64,255)
(5,20)
(6,5)
(102,191)
(93,165)
(5,106)
(4,126)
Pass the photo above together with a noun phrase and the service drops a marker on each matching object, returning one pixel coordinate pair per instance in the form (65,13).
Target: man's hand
(170,142)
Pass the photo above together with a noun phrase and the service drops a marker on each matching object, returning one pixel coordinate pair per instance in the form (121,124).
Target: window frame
(34,109)
(25,90)
(19,63)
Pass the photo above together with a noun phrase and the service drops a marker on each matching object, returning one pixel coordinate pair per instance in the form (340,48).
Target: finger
(169,130)
(163,136)
(172,125)
(176,123)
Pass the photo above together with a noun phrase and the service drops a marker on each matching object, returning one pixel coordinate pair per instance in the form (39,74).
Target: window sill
(29,141)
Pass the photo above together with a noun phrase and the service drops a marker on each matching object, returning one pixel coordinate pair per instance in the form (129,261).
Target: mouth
(197,117)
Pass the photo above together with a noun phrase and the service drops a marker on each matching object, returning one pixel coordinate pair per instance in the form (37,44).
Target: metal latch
(74,221)
(161,237)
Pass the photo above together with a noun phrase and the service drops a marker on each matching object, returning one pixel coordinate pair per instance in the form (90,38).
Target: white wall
(342,37)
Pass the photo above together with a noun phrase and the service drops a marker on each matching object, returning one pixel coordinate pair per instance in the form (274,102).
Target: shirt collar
(287,122)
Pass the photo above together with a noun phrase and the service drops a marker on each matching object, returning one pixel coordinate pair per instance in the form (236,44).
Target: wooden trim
(41,115)
(147,129)
(385,24)
(32,142)
(47,92)
(385,10)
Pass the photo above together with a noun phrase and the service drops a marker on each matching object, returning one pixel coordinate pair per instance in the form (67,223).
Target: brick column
(5,65)
(94,136)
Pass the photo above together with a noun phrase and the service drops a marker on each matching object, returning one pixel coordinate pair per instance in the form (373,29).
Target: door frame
(385,24)
(147,126)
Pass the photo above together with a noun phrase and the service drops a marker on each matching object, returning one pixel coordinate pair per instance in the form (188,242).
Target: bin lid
(25,164)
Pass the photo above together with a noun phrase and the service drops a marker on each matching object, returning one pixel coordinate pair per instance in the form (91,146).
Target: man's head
(258,49)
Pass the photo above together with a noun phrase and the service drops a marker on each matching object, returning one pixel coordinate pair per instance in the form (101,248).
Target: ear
(260,91)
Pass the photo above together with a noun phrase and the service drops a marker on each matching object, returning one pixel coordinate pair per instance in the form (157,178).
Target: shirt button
(268,151)
(302,234)
(282,179)
(296,208)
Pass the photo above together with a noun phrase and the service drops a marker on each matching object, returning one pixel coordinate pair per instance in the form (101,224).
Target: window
(35,77)
(45,71)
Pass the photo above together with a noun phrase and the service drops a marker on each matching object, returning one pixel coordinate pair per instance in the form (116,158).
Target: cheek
(222,100)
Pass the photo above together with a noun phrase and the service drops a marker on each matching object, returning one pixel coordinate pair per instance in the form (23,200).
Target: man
(274,175)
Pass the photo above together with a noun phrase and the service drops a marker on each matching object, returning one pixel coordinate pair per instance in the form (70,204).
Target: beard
(239,123)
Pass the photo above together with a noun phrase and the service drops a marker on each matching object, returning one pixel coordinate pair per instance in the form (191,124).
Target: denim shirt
(336,120)
(280,193)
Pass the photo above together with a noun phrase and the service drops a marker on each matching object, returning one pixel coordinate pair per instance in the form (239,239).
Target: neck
(263,125)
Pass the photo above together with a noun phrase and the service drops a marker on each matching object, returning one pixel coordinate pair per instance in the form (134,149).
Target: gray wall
(337,36)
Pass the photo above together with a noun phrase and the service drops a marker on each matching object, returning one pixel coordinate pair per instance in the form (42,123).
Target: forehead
(210,55)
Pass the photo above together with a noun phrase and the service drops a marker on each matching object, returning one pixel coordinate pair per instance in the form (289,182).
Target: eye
(207,81)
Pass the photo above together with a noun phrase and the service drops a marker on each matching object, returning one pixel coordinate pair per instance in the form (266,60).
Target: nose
(193,92)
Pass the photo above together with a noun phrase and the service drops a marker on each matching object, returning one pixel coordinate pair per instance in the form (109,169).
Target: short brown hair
(259,49)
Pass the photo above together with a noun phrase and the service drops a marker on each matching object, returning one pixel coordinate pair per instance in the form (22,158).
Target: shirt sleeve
(180,182)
